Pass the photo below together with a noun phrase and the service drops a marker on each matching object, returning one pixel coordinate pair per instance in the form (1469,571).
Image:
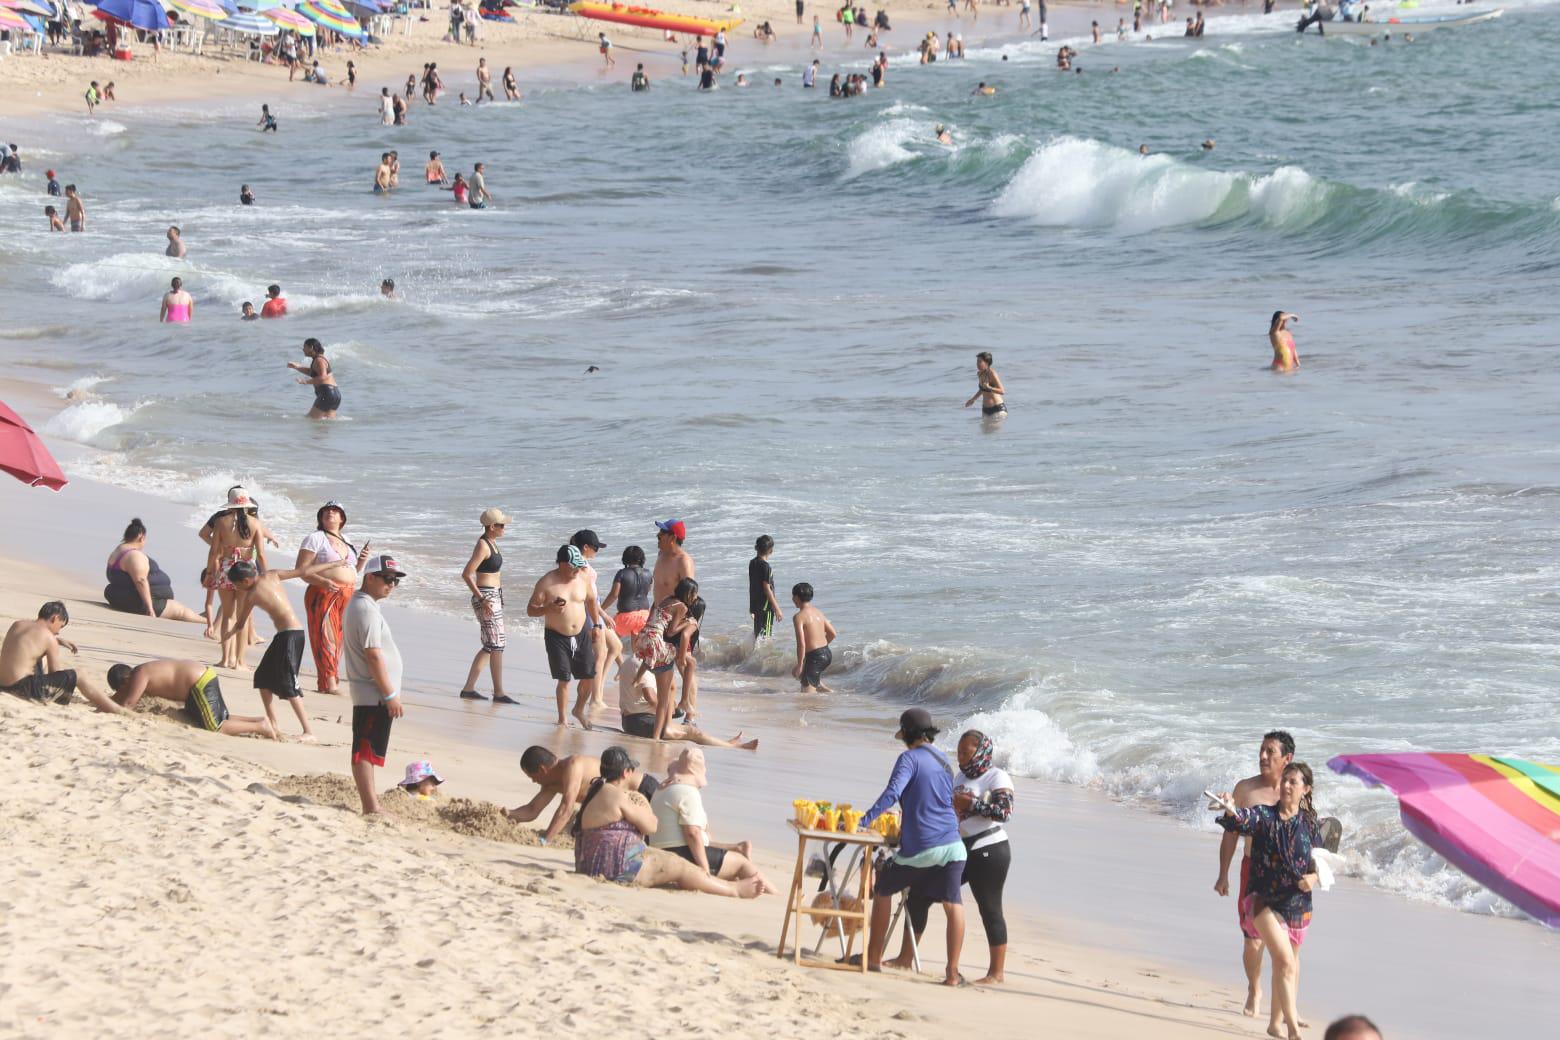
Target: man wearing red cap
(672,565)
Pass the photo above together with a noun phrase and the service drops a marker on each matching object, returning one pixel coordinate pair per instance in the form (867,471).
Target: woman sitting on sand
(1284,357)
(682,826)
(136,585)
(1282,877)
(609,838)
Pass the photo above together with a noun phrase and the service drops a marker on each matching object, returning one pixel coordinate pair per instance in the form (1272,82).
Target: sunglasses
(498,525)
(389,579)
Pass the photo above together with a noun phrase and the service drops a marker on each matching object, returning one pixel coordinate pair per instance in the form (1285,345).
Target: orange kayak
(650,18)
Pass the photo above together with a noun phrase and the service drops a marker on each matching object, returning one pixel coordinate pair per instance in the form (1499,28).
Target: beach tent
(23,455)
(331,15)
(1497,819)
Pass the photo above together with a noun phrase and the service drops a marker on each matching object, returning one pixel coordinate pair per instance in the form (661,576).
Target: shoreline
(1080,904)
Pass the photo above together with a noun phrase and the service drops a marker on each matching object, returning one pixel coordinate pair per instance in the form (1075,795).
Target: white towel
(1328,865)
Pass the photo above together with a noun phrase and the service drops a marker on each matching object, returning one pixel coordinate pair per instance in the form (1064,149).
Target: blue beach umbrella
(140,14)
(250,24)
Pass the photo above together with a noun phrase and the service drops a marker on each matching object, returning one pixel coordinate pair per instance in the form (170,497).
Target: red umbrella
(23,455)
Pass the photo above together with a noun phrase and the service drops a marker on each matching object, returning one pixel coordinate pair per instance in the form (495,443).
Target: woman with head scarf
(983,801)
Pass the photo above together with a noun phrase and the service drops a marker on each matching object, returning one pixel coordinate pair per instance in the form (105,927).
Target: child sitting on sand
(421,780)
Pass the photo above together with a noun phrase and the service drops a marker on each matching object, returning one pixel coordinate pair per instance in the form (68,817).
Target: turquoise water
(1161,553)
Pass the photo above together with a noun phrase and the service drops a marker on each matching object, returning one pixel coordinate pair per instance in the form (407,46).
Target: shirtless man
(175,244)
(277,674)
(31,666)
(484,81)
(567,779)
(1276,752)
(187,683)
(814,633)
(672,565)
(563,598)
(382,175)
(989,389)
(75,212)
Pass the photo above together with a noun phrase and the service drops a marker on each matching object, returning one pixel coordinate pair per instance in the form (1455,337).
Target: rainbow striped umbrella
(9,19)
(30,6)
(287,18)
(331,15)
(1496,819)
(208,9)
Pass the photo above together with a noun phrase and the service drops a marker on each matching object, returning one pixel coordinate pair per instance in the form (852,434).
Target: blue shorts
(942,884)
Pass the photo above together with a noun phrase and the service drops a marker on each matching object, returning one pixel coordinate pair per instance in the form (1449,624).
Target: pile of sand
(462,815)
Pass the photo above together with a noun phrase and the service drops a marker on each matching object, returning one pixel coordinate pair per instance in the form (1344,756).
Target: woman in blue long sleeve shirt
(930,860)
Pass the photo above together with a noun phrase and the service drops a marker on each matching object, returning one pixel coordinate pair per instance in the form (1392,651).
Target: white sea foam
(1079,182)
(105,128)
(1030,744)
(81,387)
(883,145)
(85,420)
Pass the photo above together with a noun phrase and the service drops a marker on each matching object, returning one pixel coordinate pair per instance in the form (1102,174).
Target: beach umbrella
(138,14)
(23,455)
(208,9)
(331,15)
(10,19)
(250,24)
(29,6)
(287,18)
(1496,819)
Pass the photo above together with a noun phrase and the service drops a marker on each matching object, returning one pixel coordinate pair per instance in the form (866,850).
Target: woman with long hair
(482,576)
(328,590)
(319,374)
(1282,877)
(234,534)
(657,648)
(1283,342)
(136,585)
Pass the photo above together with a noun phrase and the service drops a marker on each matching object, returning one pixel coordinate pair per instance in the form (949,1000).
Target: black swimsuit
(495,561)
(327,398)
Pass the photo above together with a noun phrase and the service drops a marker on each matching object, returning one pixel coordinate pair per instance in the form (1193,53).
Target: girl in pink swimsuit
(177,305)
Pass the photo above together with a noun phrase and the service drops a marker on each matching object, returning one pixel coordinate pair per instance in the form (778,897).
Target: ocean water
(1161,553)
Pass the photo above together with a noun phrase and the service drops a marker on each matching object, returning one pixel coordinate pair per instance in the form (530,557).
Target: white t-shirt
(322,547)
(993,779)
(677,806)
(631,691)
(365,629)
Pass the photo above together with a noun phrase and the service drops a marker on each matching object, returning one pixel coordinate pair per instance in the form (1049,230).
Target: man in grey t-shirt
(373,675)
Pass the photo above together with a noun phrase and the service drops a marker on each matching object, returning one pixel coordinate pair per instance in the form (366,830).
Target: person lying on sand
(636,703)
(567,778)
(609,838)
(31,666)
(190,684)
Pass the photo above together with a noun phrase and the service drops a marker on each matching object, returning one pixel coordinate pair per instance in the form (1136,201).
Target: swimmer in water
(175,244)
(1284,357)
(984,90)
(434,173)
(245,196)
(178,306)
(317,373)
(55,223)
(989,389)
(942,134)
(247,312)
(387,289)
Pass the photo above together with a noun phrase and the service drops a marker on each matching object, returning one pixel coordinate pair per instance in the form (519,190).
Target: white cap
(382,563)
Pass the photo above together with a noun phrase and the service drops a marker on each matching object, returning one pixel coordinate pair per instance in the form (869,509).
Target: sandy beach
(167,881)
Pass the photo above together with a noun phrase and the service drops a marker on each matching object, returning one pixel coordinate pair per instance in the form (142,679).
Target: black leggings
(986,873)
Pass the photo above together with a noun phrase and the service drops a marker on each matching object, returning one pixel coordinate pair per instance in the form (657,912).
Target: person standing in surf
(178,306)
(318,374)
(482,575)
(1284,357)
(1273,757)
(989,389)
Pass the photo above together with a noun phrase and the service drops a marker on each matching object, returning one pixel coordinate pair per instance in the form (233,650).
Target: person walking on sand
(817,34)
(1283,342)
(75,212)
(931,857)
(630,594)
(277,674)
(484,81)
(275,305)
(32,667)
(193,686)
(814,633)
(318,374)
(373,675)
(673,565)
(1274,754)
(175,244)
(563,599)
(1282,879)
(606,51)
(762,605)
(983,802)
(325,600)
(178,306)
(604,637)
(233,534)
(988,388)
(482,576)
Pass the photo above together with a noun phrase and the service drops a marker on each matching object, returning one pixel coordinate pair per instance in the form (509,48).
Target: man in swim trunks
(188,683)
(562,597)
(480,197)
(175,244)
(672,565)
(31,665)
(814,633)
(762,605)
(1273,756)
(484,81)
(567,779)
(75,212)
(277,675)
